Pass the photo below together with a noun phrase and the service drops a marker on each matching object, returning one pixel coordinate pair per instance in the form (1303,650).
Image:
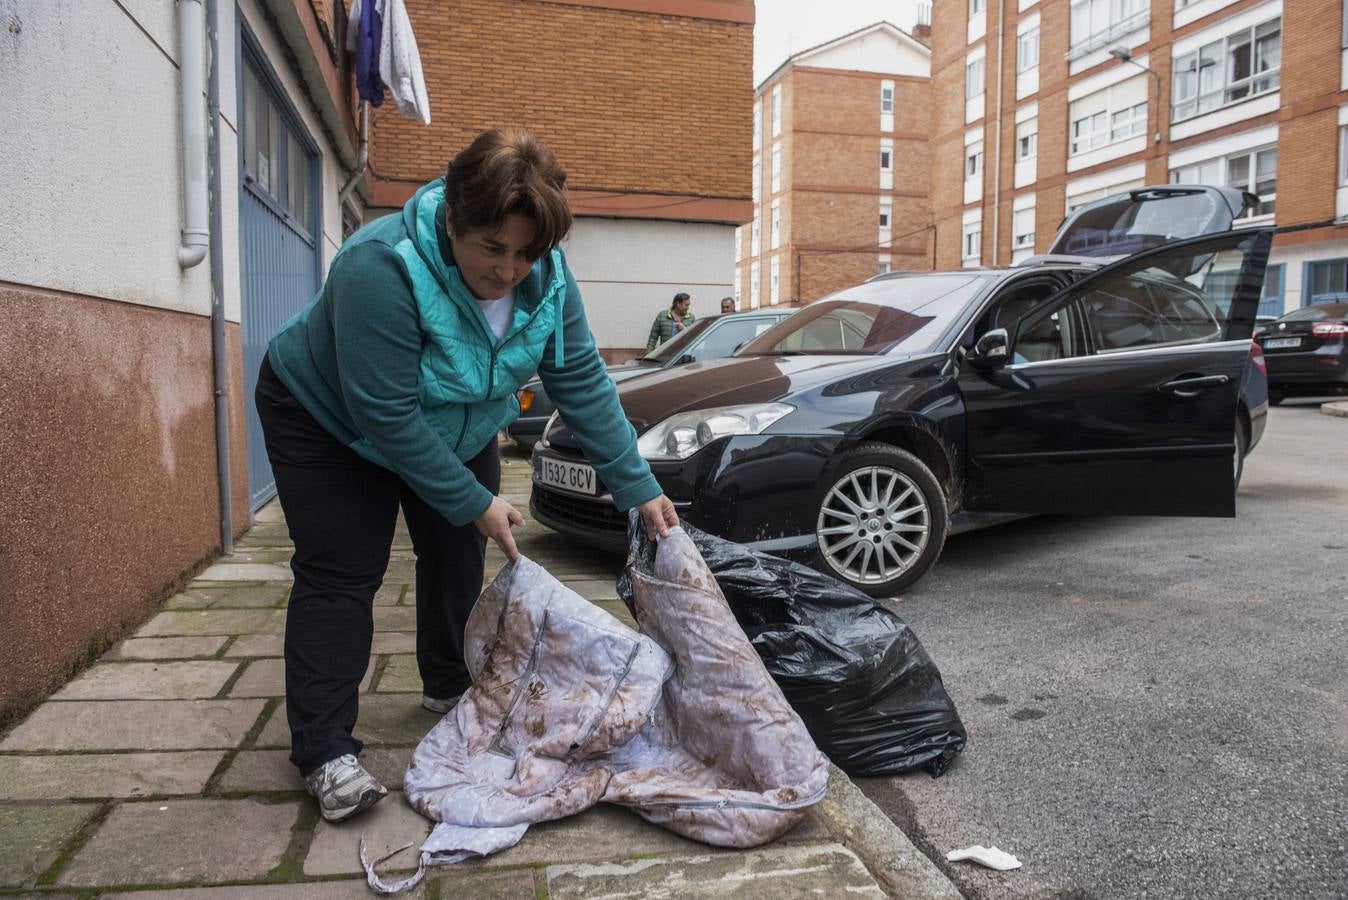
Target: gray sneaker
(436,705)
(343,788)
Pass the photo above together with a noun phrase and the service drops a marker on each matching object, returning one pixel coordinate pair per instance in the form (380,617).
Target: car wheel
(1239,454)
(1276,396)
(882,521)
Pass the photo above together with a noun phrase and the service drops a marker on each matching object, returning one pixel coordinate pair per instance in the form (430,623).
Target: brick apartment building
(1034,116)
(840,168)
(646,103)
(114,488)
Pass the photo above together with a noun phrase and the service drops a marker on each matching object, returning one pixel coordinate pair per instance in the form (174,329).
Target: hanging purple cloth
(364,33)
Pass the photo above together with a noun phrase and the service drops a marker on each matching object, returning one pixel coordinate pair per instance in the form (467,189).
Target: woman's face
(492,260)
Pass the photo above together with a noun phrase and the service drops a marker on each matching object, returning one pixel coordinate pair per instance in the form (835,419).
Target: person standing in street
(388,391)
(669,322)
(727,305)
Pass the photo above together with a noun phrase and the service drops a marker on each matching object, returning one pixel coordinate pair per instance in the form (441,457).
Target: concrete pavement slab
(592,589)
(215,621)
(149,681)
(261,770)
(276,733)
(393,719)
(256,645)
(1338,408)
(395,618)
(822,870)
(241,571)
(168,648)
(401,674)
(32,837)
(355,889)
(389,594)
(243,596)
(175,841)
(61,776)
(390,824)
(135,725)
(386,642)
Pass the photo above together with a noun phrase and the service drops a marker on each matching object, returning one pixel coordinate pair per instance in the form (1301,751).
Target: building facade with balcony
(840,169)
(1044,105)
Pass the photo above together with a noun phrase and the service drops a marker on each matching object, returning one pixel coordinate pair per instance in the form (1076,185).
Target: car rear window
(906,314)
(1131,224)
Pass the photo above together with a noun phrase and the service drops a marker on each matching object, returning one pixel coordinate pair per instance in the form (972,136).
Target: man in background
(669,322)
(727,305)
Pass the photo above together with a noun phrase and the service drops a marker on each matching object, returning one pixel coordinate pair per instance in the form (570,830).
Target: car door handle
(1190,386)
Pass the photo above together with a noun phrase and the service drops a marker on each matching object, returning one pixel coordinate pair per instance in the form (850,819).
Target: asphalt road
(1156,707)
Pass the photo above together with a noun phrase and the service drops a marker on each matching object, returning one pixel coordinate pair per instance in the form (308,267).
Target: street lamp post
(1126,55)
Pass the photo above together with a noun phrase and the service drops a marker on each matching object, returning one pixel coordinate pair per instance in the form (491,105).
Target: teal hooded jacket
(395,359)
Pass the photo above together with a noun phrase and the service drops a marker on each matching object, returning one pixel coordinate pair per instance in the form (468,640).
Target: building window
(757,176)
(755,234)
(1113,114)
(776,224)
(973,79)
(976,7)
(1270,300)
(774,283)
(758,124)
(1095,23)
(886,211)
(1343,150)
(753,286)
(776,168)
(1022,229)
(1027,50)
(1240,66)
(1027,140)
(776,110)
(883,268)
(1128,122)
(886,99)
(886,159)
(973,160)
(973,244)
(1255,171)
(1326,281)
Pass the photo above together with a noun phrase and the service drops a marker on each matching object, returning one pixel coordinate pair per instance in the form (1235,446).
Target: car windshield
(1315,313)
(905,314)
(678,344)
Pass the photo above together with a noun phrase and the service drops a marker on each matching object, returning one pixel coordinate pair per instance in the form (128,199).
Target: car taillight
(1329,329)
(1257,356)
(526,398)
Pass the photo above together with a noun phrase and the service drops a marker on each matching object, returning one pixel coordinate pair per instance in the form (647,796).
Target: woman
(389,389)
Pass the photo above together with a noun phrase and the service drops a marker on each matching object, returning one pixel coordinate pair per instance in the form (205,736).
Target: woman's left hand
(659,516)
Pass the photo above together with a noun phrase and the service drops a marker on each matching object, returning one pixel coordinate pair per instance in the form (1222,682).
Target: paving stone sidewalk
(161,771)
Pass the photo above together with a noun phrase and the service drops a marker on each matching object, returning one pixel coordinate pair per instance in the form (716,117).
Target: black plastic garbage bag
(868,693)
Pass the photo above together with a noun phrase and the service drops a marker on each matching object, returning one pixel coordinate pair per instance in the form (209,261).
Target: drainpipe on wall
(195,232)
(997,139)
(362,159)
(219,349)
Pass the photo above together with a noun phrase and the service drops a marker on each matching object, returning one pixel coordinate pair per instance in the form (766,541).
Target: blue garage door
(278,216)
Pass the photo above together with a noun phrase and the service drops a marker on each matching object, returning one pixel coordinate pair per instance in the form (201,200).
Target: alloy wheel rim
(873,525)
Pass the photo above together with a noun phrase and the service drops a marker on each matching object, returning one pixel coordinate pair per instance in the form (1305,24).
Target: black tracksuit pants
(341,510)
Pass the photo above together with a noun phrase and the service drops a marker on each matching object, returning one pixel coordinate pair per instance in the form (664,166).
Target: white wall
(91,142)
(89,138)
(630,269)
(876,51)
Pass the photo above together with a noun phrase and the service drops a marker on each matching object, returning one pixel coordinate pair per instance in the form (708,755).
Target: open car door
(1119,395)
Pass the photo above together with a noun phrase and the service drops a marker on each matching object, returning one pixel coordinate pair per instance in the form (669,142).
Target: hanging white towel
(400,62)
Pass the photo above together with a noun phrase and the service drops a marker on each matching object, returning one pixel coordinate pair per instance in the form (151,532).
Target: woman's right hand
(495,523)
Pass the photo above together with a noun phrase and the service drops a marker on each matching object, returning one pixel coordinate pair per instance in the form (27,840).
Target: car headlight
(682,435)
(552,420)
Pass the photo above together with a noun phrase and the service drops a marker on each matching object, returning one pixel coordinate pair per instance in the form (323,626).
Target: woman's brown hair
(504,171)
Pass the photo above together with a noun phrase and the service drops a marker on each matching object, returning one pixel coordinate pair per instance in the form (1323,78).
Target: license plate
(569,476)
(1281,343)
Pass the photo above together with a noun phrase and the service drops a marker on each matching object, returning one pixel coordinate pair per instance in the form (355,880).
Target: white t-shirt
(499,312)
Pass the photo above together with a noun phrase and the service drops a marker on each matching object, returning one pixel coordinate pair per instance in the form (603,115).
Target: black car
(1307,352)
(860,432)
(709,338)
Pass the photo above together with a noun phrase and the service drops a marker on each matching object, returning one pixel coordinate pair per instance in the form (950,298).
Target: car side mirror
(992,350)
